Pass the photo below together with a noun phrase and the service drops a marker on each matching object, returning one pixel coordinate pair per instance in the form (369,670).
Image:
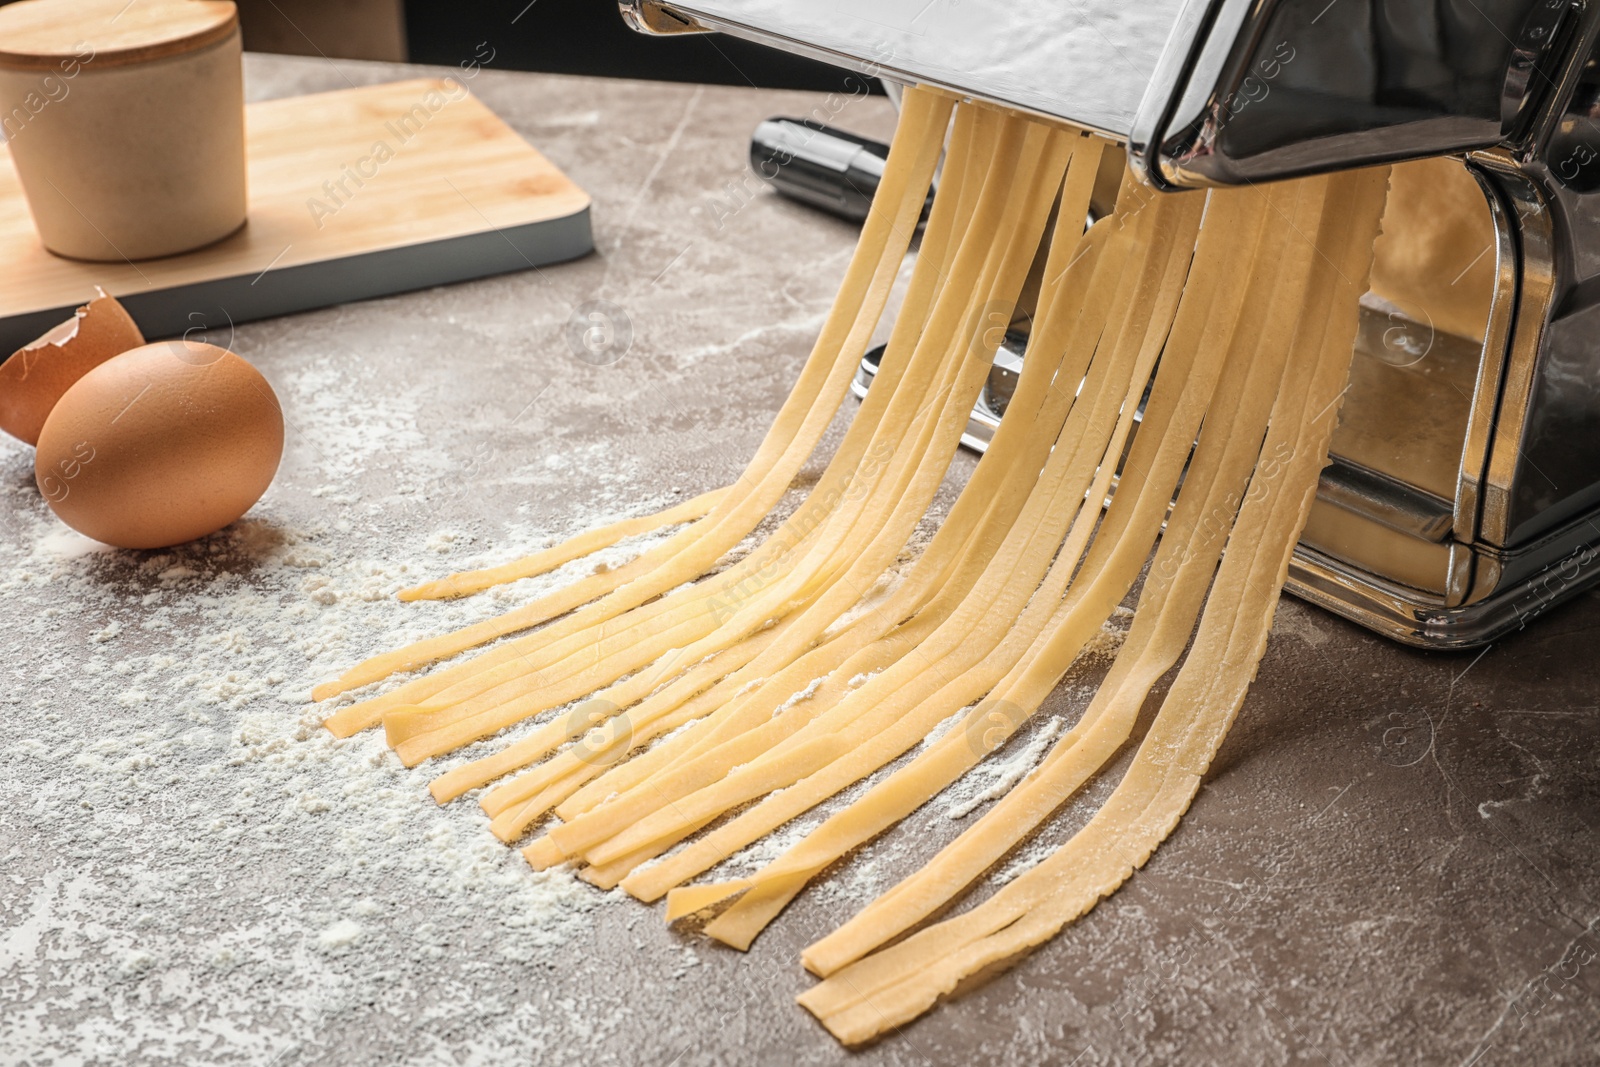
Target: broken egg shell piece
(40,373)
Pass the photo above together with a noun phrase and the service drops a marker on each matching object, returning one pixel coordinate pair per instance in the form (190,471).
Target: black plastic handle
(827,168)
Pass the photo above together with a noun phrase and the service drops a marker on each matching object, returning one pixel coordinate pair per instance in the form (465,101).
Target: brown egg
(160,445)
(40,373)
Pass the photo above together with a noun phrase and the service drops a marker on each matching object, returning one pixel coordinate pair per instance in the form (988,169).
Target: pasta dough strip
(518,662)
(1168,606)
(656,786)
(888,697)
(871,971)
(1227,327)
(466,583)
(970,680)
(1060,394)
(955,694)
(532,652)
(956,207)
(901,982)
(631,774)
(403,728)
(814,660)
(891,520)
(800,423)
(622,695)
(612,816)
(1030,410)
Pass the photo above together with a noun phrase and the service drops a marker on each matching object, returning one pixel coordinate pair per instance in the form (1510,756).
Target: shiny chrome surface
(1479,435)
(991,403)
(1537,282)
(1385,501)
(1087,62)
(1294,87)
(1399,612)
(1463,498)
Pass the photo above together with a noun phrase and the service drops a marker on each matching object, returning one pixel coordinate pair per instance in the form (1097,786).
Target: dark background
(565,36)
(589,37)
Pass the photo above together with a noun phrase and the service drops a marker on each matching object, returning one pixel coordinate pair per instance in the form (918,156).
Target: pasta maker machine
(1463,495)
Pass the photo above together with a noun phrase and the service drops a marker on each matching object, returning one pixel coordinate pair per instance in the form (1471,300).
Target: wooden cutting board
(353,194)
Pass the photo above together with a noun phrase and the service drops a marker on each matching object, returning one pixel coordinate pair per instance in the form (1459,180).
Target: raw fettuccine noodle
(1186,356)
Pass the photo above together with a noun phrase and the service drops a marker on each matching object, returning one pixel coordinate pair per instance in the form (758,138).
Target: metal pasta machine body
(1463,496)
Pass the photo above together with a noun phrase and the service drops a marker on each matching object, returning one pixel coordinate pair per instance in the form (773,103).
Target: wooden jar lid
(42,34)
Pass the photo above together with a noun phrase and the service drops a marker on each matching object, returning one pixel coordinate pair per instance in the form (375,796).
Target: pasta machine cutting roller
(1463,496)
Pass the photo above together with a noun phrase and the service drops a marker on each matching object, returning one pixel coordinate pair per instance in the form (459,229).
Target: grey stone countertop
(1393,861)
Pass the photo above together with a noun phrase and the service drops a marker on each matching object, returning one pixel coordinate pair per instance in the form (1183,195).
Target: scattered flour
(805,694)
(448,541)
(191,869)
(996,778)
(341,935)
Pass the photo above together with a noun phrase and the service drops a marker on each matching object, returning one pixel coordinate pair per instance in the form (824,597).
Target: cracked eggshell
(161,445)
(35,378)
